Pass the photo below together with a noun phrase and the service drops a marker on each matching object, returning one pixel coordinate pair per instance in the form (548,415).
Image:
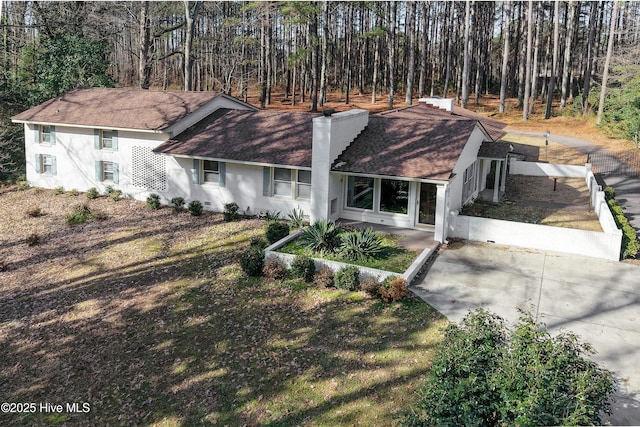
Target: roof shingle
(118,108)
(395,146)
(265,136)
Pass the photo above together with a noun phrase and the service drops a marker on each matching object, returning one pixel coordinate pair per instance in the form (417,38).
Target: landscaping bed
(146,316)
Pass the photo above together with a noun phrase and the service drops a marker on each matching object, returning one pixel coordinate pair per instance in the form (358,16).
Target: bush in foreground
(153,201)
(483,375)
(393,289)
(195,208)
(303,267)
(252,261)
(348,278)
(276,230)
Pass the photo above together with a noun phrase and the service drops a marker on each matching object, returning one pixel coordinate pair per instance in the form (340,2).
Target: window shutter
(38,163)
(54,166)
(53,135)
(96,139)
(36,134)
(98,171)
(195,172)
(266,181)
(116,173)
(114,141)
(222,171)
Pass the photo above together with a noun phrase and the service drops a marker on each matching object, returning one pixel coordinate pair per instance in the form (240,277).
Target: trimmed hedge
(630,244)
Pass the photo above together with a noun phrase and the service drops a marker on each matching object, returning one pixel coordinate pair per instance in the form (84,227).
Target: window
(360,192)
(394,196)
(46,164)
(282,182)
(46,135)
(469,181)
(303,185)
(210,171)
(105,139)
(107,171)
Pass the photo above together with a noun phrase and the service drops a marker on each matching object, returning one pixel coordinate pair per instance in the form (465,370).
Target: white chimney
(332,134)
(443,103)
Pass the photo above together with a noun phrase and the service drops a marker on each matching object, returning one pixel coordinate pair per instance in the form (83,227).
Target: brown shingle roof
(421,110)
(395,146)
(118,108)
(495,150)
(265,136)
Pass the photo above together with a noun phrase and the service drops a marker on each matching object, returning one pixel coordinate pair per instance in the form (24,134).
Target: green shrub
(393,289)
(58,190)
(296,218)
(252,261)
(230,212)
(271,216)
(115,195)
(303,267)
(22,185)
(92,193)
(195,208)
(275,269)
(258,242)
(178,204)
(108,190)
(484,375)
(609,193)
(153,201)
(360,244)
(324,278)
(79,215)
(73,192)
(320,237)
(630,245)
(276,230)
(348,278)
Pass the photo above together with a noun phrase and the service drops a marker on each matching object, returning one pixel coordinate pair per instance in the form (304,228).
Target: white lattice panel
(149,170)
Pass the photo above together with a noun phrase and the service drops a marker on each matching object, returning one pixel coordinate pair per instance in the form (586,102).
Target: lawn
(146,317)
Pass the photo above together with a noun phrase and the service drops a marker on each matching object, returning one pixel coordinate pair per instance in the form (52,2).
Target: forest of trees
(527,50)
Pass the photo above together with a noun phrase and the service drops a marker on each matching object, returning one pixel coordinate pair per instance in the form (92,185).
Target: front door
(427,204)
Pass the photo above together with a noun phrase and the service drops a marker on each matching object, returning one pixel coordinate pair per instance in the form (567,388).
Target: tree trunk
(412,51)
(593,16)
(313,35)
(191,12)
(467,55)
(605,74)
(393,7)
(568,44)
(505,56)
(527,78)
(325,51)
(144,65)
(554,66)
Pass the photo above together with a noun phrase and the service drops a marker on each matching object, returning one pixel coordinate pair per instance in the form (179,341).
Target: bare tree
(568,43)
(527,84)
(605,75)
(467,55)
(505,55)
(410,33)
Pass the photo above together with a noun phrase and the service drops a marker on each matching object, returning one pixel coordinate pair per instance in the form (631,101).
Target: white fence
(605,244)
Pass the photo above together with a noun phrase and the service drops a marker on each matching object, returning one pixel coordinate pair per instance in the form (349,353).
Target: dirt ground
(559,202)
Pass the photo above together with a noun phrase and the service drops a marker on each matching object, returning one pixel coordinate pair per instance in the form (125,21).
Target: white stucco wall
(75,154)
(468,156)
(331,135)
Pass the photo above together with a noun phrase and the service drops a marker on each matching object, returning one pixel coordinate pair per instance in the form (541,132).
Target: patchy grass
(393,257)
(147,317)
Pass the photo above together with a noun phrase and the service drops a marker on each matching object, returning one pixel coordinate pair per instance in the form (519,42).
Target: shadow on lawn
(184,338)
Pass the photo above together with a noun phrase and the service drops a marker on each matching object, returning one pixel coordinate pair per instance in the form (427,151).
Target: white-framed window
(107,172)
(469,178)
(105,139)
(282,182)
(285,182)
(210,171)
(46,135)
(383,195)
(303,184)
(360,192)
(46,164)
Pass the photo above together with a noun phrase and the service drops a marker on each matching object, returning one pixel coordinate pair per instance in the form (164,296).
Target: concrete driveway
(598,300)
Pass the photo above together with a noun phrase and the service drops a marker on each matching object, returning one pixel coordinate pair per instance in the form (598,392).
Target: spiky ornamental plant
(360,244)
(320,237)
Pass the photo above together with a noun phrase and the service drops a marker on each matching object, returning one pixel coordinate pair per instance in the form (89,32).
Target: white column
(496,182)
(440,231)
(503,183)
